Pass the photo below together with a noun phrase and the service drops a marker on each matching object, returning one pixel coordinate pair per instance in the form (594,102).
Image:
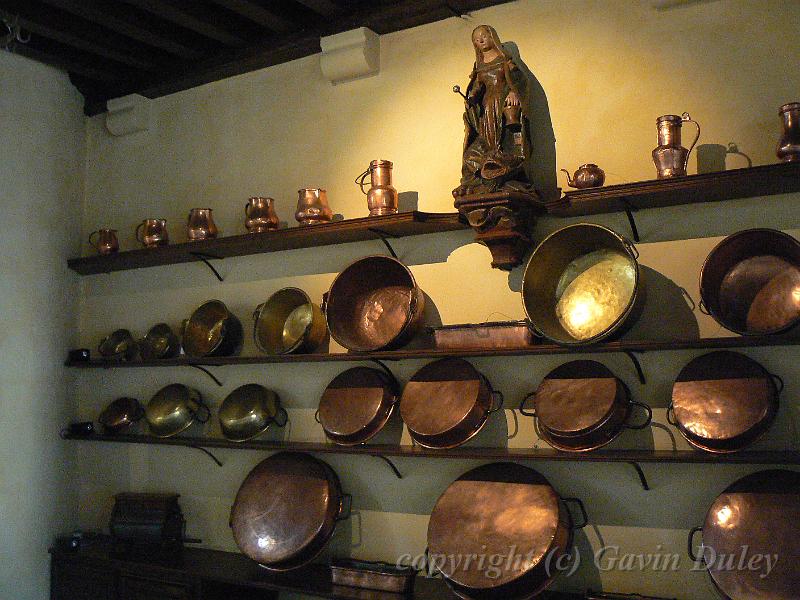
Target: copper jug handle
(136,234)
(360,179)
(686,118)
(247,209)
(91,243)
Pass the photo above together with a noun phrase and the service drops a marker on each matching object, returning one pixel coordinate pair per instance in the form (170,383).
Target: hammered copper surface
(445,403)
(212,330)
(507,334)
(495,509)
(750,282)
(120,415)
(356,405)
(582,285)
(287,504)
(374,304)
(372,576)
(755,518)
(722,401)
(289,322)
(200,225)
(248,411)
(173,409)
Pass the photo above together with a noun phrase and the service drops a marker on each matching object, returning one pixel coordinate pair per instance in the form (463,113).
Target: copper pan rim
(421,440)
(375,430)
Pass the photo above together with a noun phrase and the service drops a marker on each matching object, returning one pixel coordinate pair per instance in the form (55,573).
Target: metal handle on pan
(647,422)
(348,499)
(779,383)
(584,514)
(496,394)
(204,407)
(281,417)
(690,547)
(523,410)
(671,415)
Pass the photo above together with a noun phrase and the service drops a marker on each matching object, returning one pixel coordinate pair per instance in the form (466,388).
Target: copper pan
(723,401)
(446,403)
(121,415)
(500,509)
(581,406)
(756,517)
(374,304)
(750,282)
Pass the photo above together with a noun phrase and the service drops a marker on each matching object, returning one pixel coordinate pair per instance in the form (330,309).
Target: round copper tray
(723,401)
(356,405)
(756,517)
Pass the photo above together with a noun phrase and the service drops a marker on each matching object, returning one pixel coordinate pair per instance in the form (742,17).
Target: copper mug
(312,207)
(382,197)
(260,215)
(106,243)
(201,225)
(153,233)
(789,143)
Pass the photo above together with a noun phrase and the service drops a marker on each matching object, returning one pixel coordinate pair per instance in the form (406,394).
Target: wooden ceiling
(112,48)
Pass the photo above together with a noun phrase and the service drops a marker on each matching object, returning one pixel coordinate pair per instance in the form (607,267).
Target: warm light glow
(724,515)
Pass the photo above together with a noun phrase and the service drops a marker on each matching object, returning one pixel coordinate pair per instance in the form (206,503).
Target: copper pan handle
(136,233)
(690,546)
(346,499)
(202,406)
(139,414)
(496,394)
(91,243)
(524,411)
(671,415)
(281,417)
(323,305)
(647,422)
(584,514)
(704,309)
(779,383)
(316,417)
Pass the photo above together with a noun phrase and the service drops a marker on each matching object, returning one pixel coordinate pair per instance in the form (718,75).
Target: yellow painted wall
(607,76)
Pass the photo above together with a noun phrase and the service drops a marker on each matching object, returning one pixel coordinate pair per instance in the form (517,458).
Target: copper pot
(200,225)
(119,345)
(106,243)
(357,404)
(212,330)
(286,510)
(757,516)
(312,207)
(750,282)
(153,233)
(374,304)
(789,142)
(581,406)
(260,215)
(723,401)
(500,509)
(121,415)
(289,322)
(174,409)
(160,342)
(250,410)
(446,403)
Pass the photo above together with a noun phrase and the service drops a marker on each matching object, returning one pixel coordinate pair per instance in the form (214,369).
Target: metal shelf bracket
(642,476)
(385,239)
(638,366)
(392,466)
(629,210)
(208,453)
(207,258)
(207,372)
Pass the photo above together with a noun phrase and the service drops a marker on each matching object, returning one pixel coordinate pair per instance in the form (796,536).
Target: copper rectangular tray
(373,576)
(503,334)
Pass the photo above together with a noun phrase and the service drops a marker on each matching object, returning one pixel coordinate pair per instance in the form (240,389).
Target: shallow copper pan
(500,509)
(750,282)
(504,334)
(723,401)
(286,510)
(376,576)
(581,406)
(212,330)
(357,404)
(756,517)
(120,415)
(446,403)
(374,304)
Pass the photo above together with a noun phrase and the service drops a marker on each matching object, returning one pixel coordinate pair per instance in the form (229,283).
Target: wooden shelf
(763,457)
(766,180)
(292,238)
(433,353)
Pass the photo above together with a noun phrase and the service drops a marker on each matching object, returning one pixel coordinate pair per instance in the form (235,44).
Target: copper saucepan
(212,330)
(121,415)
(288,322)
(581,406)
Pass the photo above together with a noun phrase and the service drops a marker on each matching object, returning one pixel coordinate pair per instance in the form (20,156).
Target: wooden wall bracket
(502,222)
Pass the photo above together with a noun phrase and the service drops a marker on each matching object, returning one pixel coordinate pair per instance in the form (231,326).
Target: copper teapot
(587,176)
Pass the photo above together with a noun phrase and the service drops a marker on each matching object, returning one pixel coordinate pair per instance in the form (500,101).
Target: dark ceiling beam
(72,31)
(112,15)
(255,12)
(189,16)
(322,7)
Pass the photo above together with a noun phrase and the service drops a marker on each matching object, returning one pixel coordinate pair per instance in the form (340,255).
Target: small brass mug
(153,233)
(201,225)
(312,207)
(260,215)
(106,242)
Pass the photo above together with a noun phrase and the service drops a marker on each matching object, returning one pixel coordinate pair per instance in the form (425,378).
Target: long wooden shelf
(434,353)
(292,238)
(766,180)
(764,457)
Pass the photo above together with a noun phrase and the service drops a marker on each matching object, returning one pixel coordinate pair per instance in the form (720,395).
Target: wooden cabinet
(138,588)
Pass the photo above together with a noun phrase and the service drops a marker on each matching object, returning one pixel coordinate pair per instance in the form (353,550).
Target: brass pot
(248,411)
(750,282)
(289,322)
(120,415)
(582,285)
(160,342)
(213,330)
(120,345)
(175,408)
(374,304)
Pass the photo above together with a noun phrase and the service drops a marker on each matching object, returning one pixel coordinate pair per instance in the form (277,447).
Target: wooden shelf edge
(731,342)
(776,457)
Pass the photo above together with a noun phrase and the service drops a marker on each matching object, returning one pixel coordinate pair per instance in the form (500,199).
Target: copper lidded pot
(670,157)
(382,196)
(260,215)
(200,225)
(789,143)
(153,233)
(106,243)
(312,207)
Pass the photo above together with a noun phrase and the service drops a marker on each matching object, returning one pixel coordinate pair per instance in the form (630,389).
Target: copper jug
(153,233)
(382,196)
(201,225)
(260,215)
(312,207)
(671,159)
(106,243)
(789,144)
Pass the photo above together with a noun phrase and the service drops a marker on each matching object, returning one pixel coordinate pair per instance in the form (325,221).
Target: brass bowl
(160,342)
(212,330)
(120,415)
(120,345)
(289,322)
(582,285)
(248,411)
(174,409)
